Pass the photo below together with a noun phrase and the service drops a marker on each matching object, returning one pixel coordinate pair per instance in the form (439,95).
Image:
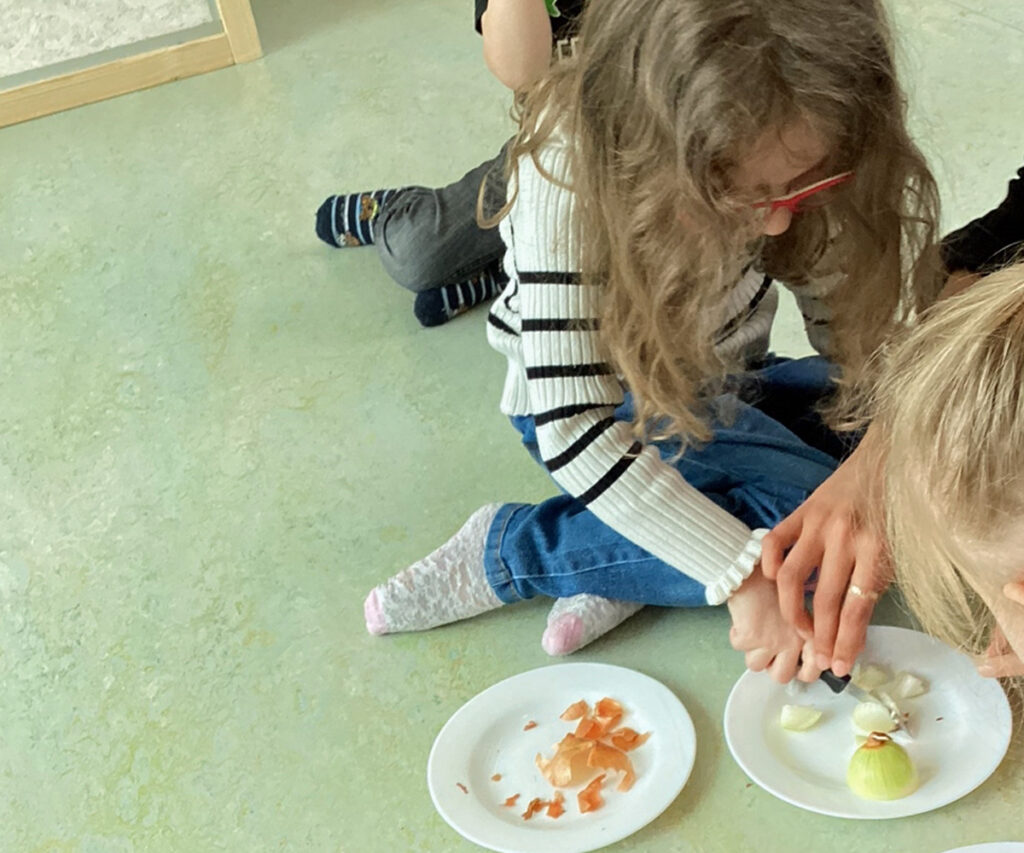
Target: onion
(872,717)
(870,676)
(799,718)
(906,686)
(880,769)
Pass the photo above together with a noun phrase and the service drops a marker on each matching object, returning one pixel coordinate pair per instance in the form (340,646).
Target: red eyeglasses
(809,198)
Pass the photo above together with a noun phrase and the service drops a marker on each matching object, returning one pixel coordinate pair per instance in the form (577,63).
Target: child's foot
(445,586)
(437,306)
(347,220)
(575,622)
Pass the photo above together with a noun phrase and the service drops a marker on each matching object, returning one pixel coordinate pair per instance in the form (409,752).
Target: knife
(839,684)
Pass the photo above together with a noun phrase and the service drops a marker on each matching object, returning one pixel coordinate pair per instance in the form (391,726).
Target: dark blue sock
(438,306)
(347,220)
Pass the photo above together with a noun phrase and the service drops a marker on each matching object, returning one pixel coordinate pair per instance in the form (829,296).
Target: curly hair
(661,101)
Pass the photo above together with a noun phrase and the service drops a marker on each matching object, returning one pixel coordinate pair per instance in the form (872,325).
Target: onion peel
(568,764)
(536,805)
(575,711)
(555,807)
(606,757)
(590,799)
(628,739)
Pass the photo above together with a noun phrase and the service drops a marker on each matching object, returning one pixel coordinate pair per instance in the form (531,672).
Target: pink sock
(574,622)
(447,585)
(562,636)
(375,623)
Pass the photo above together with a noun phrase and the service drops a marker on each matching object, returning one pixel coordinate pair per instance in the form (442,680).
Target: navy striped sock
(438,306)
(347,220)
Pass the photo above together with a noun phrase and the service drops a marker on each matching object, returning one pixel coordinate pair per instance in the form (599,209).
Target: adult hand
(766,639)
(833,532)
(1000,659)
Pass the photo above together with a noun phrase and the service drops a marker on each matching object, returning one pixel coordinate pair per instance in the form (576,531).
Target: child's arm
(517,39)
(829,529)
(991,240)
(767,639)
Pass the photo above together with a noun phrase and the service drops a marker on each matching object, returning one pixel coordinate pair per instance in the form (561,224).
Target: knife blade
(839,684)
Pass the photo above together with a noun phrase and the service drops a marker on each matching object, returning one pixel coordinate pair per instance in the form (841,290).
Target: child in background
(429,240)
(949,413)
(692,151)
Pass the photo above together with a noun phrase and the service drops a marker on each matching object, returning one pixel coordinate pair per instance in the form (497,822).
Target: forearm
(991,240)
(517,40)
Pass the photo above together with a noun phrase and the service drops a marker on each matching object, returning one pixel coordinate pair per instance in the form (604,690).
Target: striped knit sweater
(545,323)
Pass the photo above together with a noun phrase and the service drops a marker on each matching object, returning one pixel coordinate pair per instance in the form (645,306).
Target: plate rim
(685,719)
(829,812)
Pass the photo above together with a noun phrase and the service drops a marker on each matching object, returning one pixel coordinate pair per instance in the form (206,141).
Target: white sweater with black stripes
(544,322)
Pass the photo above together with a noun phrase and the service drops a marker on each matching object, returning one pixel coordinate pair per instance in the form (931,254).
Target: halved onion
(880,769)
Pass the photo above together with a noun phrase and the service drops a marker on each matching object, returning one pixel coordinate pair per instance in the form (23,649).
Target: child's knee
(407,242)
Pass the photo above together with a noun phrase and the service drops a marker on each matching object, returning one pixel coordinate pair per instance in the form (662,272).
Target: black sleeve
(563,25)
(992,240)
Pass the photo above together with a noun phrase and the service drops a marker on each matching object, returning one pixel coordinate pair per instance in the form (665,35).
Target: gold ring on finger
(869,594)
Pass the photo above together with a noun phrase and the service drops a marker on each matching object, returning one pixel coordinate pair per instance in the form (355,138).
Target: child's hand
(769,642)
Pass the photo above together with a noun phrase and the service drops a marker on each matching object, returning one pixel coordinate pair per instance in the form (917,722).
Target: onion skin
(881,770)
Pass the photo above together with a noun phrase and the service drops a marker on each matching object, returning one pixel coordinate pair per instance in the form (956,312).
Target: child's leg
(444,303)
(427,238)
(445,586)
(756,468)
(577,620)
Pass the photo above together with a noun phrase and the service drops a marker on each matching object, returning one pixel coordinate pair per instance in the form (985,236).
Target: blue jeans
(757,466)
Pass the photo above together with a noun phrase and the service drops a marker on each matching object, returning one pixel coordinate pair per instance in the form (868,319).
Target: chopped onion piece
(799,718)
(870,676)
(906,685)
(872,717)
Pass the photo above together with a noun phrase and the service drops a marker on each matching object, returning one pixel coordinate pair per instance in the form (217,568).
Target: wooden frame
(238,43)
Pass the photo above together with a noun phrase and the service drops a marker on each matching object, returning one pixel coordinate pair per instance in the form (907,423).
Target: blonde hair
(949,412)
(661,101)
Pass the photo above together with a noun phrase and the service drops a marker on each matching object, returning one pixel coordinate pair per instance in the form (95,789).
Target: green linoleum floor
(217,434)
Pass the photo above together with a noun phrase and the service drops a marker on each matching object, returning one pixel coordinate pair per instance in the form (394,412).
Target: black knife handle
(835,683)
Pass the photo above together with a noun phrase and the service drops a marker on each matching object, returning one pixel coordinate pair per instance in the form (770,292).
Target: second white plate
(963,731)
(486,736)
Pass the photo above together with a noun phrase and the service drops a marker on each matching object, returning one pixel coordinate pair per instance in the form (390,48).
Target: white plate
(993,847)
(485,736)
(963,726)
